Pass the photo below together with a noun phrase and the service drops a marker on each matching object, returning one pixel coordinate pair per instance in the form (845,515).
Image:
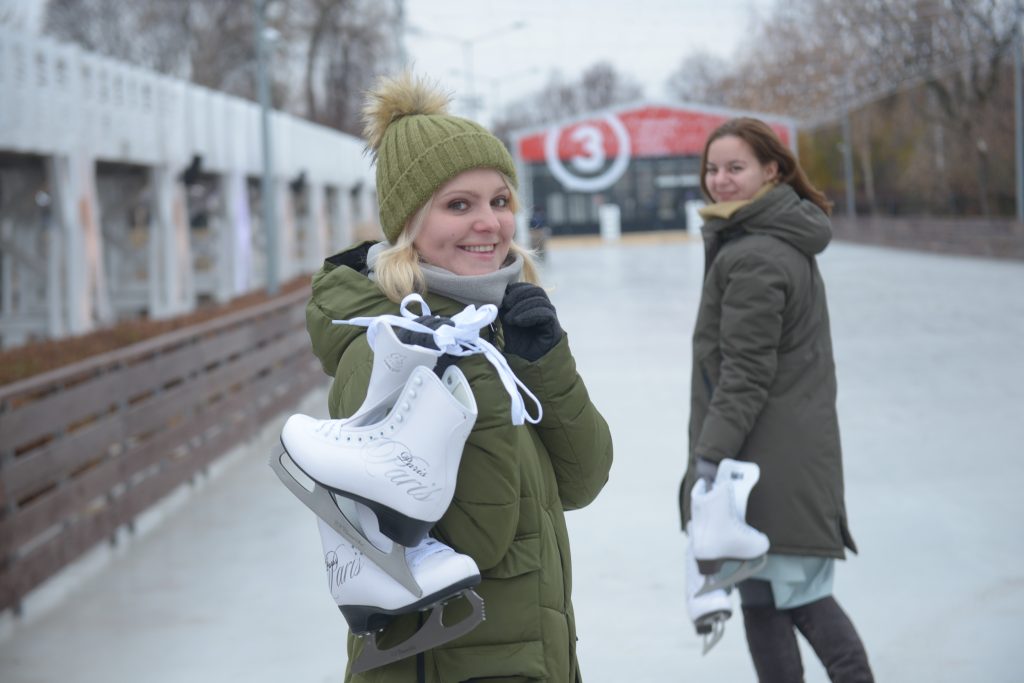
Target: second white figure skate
(402,467)
(719,531)
(709,611)
(369,598)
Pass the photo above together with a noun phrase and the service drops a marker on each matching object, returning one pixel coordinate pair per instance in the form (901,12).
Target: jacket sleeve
(572,430)
(753,300)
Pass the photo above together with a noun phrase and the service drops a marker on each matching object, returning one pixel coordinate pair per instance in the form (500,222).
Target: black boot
(831,633)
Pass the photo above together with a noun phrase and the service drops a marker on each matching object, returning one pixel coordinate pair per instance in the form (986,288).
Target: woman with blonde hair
(446,193)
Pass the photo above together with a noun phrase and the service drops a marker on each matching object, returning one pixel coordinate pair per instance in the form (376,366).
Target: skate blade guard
(432,634)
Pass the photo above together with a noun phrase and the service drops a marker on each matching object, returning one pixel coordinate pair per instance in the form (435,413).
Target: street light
(1018,109)
(468,45)
(265,36)
(497,81)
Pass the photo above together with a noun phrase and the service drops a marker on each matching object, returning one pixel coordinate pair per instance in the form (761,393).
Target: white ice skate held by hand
(709,611)
(719,530)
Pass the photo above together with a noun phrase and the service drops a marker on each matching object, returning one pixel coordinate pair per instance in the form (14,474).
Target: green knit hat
(418,147)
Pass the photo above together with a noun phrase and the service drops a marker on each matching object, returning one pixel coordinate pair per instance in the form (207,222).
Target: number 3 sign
(588,156)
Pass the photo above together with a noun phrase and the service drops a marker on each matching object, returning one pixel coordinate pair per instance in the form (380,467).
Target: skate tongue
(461,338)
(428,548)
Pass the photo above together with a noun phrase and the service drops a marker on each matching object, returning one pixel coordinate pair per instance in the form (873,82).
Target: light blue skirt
(795,579)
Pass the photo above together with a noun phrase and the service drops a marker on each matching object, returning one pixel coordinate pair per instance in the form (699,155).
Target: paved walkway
(224,584)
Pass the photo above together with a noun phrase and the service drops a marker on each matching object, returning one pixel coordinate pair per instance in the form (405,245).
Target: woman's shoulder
(753,248)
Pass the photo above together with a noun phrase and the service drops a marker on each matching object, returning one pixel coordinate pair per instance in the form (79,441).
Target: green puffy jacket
(513,485)
(763,385)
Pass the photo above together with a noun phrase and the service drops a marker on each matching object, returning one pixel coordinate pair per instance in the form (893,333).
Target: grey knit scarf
(466,289)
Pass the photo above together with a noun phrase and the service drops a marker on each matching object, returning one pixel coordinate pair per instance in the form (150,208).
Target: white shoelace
(462,338)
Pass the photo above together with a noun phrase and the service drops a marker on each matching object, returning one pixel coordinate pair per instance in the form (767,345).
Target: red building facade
(644,158)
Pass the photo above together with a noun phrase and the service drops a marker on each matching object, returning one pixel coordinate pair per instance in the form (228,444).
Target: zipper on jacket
(421,660)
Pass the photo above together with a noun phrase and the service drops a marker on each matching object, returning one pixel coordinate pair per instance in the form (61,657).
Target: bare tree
(701,77)
(349,42)
(600,86)
(816,59)
(327,53)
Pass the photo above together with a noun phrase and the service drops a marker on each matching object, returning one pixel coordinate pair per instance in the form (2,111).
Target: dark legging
(772,640)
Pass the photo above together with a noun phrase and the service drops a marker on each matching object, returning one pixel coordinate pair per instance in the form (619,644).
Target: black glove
(529,320)
(706,470)
(427,340)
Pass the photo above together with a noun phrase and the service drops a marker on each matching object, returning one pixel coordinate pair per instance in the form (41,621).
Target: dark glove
(529,321)
(427,340)
(706,470)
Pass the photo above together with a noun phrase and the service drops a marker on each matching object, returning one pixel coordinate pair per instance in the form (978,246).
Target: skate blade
(320,501)
(717,631)
(430,635)
(746,569)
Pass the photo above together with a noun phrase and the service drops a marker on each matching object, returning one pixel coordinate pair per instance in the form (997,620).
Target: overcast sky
(517,44)
(645,39)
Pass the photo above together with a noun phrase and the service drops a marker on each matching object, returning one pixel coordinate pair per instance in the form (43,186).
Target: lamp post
(496,82)
(1018,110)
(264,37)
(468,46)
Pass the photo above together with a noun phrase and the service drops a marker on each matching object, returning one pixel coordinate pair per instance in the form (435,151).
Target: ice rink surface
(225,582)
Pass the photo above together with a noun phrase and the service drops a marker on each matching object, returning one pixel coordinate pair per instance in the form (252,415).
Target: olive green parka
(513,485)
(763,383)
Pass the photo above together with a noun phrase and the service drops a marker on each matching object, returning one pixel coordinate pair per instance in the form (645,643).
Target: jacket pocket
(524,553)
(522,661)
(523,557)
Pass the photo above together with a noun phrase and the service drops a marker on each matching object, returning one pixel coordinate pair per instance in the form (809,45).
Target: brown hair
(767,147)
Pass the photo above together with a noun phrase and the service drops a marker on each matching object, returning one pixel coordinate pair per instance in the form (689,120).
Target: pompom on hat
(418,146)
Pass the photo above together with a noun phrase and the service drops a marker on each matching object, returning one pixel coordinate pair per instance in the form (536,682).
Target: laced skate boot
(719,528)
(459,338)
(393,362)
(369,598)
(402,467)
(708,612)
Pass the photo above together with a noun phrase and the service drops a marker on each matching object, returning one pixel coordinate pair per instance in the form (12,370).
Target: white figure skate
(719,529)
(320,478)
(402,467)
(708,612)
(369,598)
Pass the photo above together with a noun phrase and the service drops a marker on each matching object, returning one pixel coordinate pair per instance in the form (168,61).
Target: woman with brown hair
(764,392)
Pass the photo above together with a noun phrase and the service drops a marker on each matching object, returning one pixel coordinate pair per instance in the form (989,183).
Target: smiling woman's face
(733,171)
(470,224)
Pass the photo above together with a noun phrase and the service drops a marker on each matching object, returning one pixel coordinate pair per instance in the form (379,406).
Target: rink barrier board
(86,448)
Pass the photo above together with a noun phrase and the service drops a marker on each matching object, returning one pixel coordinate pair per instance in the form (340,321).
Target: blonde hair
(398,267)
